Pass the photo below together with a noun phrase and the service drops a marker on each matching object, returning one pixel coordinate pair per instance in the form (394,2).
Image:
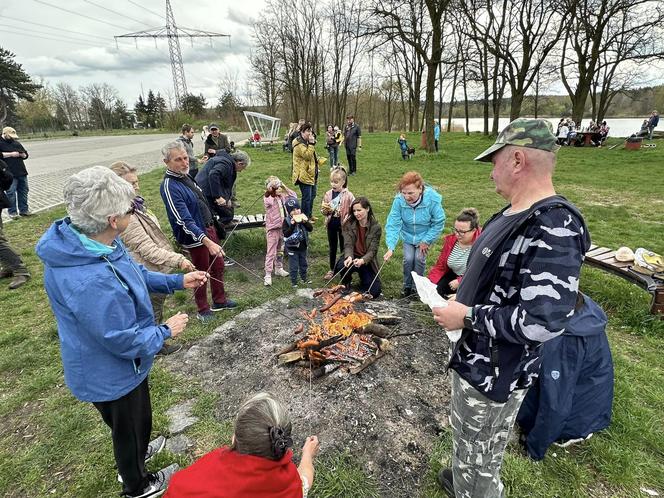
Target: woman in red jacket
(451,264)
(259,462)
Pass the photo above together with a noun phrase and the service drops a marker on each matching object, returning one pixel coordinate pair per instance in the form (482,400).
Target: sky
(78,47)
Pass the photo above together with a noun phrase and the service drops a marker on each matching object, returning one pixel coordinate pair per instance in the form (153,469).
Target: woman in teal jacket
(417,218)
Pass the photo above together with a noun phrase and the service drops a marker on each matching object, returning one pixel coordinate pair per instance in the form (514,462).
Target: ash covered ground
(387,417)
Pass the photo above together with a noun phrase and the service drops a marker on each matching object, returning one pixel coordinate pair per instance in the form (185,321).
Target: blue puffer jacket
(108,338)
(414,225)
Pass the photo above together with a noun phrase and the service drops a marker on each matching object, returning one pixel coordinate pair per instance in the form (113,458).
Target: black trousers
(225,213)
(367,275)
(352,162)
(130,420)
(443,286)
(334,237)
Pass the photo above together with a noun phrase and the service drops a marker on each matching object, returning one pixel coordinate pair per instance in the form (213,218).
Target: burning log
(369,361)
(373,329)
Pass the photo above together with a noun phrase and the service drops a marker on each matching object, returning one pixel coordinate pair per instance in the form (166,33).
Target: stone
(180,417)
(179,444)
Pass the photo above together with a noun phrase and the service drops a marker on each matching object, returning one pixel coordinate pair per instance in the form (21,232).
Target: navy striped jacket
(183,211)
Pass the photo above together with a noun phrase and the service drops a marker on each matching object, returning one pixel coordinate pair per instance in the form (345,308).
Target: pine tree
(15,84)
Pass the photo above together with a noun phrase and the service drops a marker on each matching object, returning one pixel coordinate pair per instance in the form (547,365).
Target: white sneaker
(158,482)
(267,280)
(280,272)
(155,446)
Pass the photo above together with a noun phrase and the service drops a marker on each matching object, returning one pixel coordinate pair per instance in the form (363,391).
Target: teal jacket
(415,225)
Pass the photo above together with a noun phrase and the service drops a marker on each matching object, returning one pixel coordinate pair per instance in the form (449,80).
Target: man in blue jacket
(192,222)
(108,338)
(519,290)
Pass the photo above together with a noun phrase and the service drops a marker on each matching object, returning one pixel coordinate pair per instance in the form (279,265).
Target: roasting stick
(375,278)
(334,276)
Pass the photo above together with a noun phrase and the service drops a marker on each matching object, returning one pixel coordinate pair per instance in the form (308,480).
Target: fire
(342,319)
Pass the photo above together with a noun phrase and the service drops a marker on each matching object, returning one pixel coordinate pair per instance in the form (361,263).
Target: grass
(54,445)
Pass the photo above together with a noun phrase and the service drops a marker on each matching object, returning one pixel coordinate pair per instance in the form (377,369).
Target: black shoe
(18,281)
(445,481)
(158,482)
(167,349)
(406,292)
(27,213)
(6,273)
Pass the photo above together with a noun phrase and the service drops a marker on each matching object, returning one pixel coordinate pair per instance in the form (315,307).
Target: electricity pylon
(173,33)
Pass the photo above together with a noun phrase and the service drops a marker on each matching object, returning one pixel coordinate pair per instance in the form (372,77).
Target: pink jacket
(274,213)
(347,199)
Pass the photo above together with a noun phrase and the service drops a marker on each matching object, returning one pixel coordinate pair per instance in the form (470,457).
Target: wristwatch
(468,319)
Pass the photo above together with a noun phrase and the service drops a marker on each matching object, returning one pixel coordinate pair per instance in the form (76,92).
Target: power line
(57,28)
(56,37)
(160,16)
(49,38)
(79,14)
(116,13)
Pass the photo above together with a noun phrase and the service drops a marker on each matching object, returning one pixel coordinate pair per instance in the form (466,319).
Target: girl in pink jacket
(275,195)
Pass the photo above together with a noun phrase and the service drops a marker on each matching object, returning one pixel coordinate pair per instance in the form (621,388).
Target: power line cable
(160,16)
(54,36)
(116,12)
(49,38)
(79,14)
(57,28)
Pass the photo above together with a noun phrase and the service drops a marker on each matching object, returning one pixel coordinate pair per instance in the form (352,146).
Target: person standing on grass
(417,218)
(436,133)
(186,139)
(11,264)
(305,168)
(275,195)
(216,141)
(336,209)
(353,141)
(519,290)
(653,121)
(193,227)
(108,338)
(13,153)
(149,246)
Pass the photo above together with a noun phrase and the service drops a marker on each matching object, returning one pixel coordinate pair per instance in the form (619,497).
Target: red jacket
(223,473)
(441,268)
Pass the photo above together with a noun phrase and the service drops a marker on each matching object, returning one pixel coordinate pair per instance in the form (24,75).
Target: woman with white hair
(108,338)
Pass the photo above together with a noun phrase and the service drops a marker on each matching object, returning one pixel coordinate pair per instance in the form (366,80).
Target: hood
(61,247)
(589,320)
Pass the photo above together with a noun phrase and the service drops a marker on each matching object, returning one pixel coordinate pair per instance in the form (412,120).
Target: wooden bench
(604,258)
(247,222)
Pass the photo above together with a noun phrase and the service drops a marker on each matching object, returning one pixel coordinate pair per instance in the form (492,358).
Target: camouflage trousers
(481,428)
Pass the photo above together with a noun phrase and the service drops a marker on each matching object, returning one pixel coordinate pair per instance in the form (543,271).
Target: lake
(618,127)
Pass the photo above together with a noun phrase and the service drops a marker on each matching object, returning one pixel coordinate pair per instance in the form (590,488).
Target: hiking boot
(267,281)
(167,349)
(205,316)
(280,272)
(157,482)
(445,481)
(18,281)
(229,304)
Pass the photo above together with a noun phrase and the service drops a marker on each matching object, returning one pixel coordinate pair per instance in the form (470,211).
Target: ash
(387,417)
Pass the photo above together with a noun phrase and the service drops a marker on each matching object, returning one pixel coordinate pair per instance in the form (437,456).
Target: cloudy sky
(73,41)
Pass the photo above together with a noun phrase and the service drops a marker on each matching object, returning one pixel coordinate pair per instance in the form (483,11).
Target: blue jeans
(308,196)
(297,260)
(334,156)
(18,191)
(413,260)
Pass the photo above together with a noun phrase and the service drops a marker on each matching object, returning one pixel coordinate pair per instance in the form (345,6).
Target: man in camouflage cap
(519,290)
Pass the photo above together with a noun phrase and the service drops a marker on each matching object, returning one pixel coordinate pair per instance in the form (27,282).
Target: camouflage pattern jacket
(528,300)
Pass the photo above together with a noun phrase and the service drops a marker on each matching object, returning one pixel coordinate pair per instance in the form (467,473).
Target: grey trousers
(481,429)
(9,260)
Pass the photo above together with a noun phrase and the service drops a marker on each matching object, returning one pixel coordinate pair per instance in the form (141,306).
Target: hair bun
(281,441)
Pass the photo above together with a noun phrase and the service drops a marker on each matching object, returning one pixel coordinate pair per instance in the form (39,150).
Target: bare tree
(68,104)
(99,99)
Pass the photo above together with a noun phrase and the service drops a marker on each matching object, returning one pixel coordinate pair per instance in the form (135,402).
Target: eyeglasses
(462,232)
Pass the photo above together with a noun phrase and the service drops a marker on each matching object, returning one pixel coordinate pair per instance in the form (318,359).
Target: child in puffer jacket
(275,212)
(296,240)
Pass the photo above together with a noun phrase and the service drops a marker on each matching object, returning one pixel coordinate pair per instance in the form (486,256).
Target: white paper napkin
(428,293)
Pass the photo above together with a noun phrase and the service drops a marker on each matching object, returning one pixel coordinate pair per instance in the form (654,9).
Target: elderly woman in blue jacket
(417,218)
(100,299)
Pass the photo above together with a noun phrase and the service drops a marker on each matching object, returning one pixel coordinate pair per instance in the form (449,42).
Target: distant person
(653,121)
(417,218)
(336,209)
(644,131)
(108,338)
(193,227)
(436,133)
(276,194)
(403,146)
(573,394)
(186,139)
(451,264)
(216,141)
(149,246)
(362,234)
(563,132)
(353,142)
(332,146)
(305,168)
(258,463)
(204,133)
(256,139)
(11,264)
(296,230)
(294,132)
(13,154)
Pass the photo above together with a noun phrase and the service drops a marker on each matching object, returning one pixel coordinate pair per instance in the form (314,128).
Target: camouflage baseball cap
(534,133)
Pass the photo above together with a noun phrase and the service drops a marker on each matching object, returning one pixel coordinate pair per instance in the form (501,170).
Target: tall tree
(68,105)
(15,84)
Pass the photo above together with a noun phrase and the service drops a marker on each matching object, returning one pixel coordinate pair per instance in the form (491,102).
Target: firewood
(387,319)
(383,344)
(291,357)
(374,329)
(328,342)
(369,361)
(287,349)
(326,369)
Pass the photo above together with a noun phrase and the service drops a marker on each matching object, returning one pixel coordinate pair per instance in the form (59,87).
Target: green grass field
(53,445)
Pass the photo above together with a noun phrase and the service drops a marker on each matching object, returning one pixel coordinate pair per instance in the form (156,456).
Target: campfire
(336,335)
